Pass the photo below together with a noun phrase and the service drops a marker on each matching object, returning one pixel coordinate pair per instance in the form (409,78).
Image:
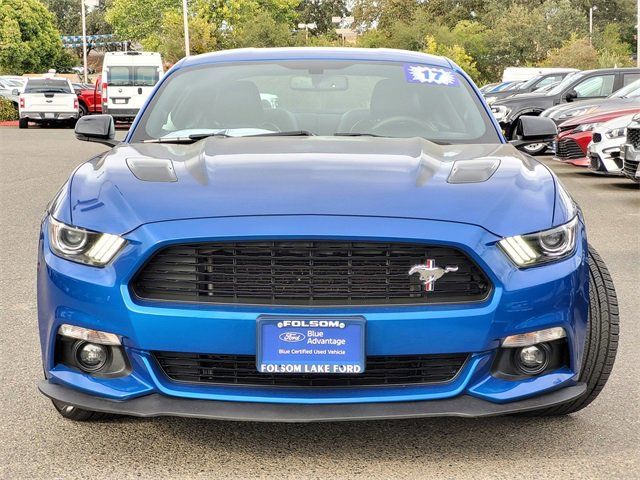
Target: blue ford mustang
(319,234)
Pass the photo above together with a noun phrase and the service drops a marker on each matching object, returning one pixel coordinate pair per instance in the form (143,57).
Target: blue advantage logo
(292,337)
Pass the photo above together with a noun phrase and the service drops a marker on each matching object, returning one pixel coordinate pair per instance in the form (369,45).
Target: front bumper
(572,148)
(631,168)
(155,405)
(521,301)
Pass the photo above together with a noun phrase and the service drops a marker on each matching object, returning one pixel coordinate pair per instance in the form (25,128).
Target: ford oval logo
(292,337)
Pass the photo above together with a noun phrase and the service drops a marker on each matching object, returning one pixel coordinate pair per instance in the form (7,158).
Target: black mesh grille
(569,149)
(241,370)
(633,137)
(630,168)
(307,273)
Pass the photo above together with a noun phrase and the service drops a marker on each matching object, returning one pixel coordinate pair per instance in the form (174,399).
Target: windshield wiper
(292,133)
(357,134)
(194,137)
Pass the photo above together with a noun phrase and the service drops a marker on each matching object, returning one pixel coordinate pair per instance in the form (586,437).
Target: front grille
(569,149)
(241,370)
(633,137)
(630,168)
(307,273)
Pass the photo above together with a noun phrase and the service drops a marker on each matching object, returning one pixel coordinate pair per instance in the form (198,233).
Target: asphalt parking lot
(602,441)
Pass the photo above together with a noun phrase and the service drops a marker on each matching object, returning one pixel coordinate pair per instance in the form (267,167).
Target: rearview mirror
(320,84)
(571,95)
(530,130)
(97,128)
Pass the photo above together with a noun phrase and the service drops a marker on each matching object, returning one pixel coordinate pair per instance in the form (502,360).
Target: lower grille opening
(241,370)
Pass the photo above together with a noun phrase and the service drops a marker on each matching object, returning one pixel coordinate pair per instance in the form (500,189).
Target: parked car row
(606,142)
(582,90)
(126,81)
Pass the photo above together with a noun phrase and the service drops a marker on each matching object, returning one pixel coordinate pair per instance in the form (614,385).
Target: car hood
(134,184)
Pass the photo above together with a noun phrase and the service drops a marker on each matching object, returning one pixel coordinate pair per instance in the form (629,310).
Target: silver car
(605,152)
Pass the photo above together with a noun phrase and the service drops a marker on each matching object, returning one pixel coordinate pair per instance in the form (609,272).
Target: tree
(320,13)
(612,51)
(574,53)
(263,31)
(67,14)
(29,40)
(455,53)
(135,20)
(169,41)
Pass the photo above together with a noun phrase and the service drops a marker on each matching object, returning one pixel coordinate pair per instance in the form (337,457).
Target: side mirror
(15,92)
(571,95)
(97,128)
(530,130)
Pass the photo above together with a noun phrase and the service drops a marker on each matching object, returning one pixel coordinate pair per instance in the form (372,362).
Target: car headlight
(616,132)
(572,113)
(500,112)
(490,100)
(83,246)
(586,127)
(541,247)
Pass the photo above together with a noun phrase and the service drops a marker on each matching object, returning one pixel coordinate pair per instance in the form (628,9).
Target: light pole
(591,10)
(187,50)
(84,41)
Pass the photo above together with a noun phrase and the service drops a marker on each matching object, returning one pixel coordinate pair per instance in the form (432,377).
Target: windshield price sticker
(430,75)
(307,345)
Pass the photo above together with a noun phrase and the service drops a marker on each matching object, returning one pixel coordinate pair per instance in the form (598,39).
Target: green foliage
(456,53)
(263,31)
(320,13)
(169,40)
(8,110)
(612,51)
(29,40)
(136,20)
(574,53)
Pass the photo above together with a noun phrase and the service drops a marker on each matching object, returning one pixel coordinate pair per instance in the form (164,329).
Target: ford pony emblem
(429,273)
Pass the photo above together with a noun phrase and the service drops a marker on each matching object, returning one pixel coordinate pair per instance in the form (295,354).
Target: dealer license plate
(119,100)
(310,345)
(49,115)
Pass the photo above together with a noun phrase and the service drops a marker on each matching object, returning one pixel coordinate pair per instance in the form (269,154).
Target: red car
(574,135)
(90,99)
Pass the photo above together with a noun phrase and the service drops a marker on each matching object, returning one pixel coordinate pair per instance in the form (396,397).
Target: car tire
(78,414)
(23,123)
(601,341)
(82,111)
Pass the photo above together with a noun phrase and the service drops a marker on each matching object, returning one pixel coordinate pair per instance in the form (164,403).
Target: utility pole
(591,10)
(84,40)
(187,50)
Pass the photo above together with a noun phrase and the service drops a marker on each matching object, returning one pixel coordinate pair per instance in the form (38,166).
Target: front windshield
(568,80)
(530,82)
(630,91)
(320,97)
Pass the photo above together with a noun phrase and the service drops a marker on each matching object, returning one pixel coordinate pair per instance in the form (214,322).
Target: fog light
(533,359)
(91,356)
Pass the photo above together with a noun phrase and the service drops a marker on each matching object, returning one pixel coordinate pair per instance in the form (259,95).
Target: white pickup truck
(47,100)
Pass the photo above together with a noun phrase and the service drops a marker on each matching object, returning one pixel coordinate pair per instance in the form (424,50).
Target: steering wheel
(401,120)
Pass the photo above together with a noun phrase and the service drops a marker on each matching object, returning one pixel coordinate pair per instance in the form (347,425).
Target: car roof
(612,70)
(313,53)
